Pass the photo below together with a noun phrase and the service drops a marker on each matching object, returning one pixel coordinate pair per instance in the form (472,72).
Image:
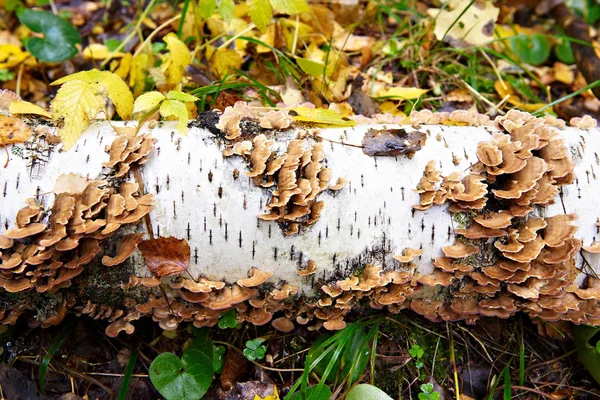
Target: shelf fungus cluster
(508,259)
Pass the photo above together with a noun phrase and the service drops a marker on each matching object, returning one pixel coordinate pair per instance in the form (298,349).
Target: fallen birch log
(453,222)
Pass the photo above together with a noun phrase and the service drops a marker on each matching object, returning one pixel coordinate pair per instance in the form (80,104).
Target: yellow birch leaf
(11,55)
(223,60)
(177,110)
(117,89)
(402,93)
(25,107)
(320,116)
(260,13)
(290,7)
(97,51)
(147,102)
(179,58)
(313,68)
(139,70)
(507,90)
(124,66)
(77,102)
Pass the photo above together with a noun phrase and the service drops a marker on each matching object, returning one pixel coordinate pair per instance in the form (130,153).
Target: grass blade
(507,385)
(51,352)
(567,97)
(127,375)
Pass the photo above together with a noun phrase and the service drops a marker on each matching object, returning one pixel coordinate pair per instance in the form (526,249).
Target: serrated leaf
(77,102)
(260,13)
(147,102)
(290,7)
(177,109)
(25,107)
(117,89)
(227,10)
(321,116)
(402,93)
(179,58)
(59,36)
(177,95)
(224,60)
(206,8)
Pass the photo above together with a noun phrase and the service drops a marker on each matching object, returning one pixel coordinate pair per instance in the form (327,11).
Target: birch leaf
(290,7)
(179,58)
(224,60)
(206,8)
(260,13)
(176,109)
(403,93)
(76,103)
(320,116)
(314,68)
(25,107)
(147,101)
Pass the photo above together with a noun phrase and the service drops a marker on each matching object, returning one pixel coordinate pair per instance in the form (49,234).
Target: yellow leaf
(563,73)
(320,116)
(507,90)
(313,68)
(14,130)
(97,51)
(117,89)
(274,396)
(139,70)
(179,58)
(147,102)
(260,13)
(463,23)
(177,110)
(403,93)
(391,107)
(124,66)
(290,7)
(223,60)
(25,107)
(77,102)
(11,55)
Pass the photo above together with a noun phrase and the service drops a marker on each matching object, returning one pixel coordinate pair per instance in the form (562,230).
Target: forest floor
(380,59)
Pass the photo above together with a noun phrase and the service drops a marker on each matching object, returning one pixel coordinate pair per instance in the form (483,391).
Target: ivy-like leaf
(59,40)
(260,13)
(182,379)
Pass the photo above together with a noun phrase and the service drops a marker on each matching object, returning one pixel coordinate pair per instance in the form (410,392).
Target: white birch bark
(198,198)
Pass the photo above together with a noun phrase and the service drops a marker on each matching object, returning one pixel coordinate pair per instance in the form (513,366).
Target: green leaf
(564,51)
(367,392)
(206,8)
(219,358)
(60,37)
(147,101)
(313,68)
(260,13)
(530,49)
(177,95)
(586,340)
(177,109)
(228,320)
(315,392)
(290,7)
(182,379)
(226,10)
(255,350)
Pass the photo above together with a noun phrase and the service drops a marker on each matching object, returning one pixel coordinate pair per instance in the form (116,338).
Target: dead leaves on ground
(166,255)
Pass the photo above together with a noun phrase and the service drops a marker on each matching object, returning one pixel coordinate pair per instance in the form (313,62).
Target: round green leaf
(187,378)
(531,49)
(219,358)
(60,37)
(564,52)
(367,392)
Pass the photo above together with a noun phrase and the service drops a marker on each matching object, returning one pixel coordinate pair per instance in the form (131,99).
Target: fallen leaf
(464,24)
(223,60)
(564,73)
(97,51)
(320,116)
(25,107)
(166,255)
(506,89)
(236,366)
(402,93)
(13,130)
(179,58)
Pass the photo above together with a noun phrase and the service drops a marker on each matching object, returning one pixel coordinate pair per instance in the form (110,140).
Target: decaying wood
(482,220)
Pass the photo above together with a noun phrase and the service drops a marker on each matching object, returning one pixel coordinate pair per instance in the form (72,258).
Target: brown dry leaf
(13,130)
(235,368)
(166,255)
